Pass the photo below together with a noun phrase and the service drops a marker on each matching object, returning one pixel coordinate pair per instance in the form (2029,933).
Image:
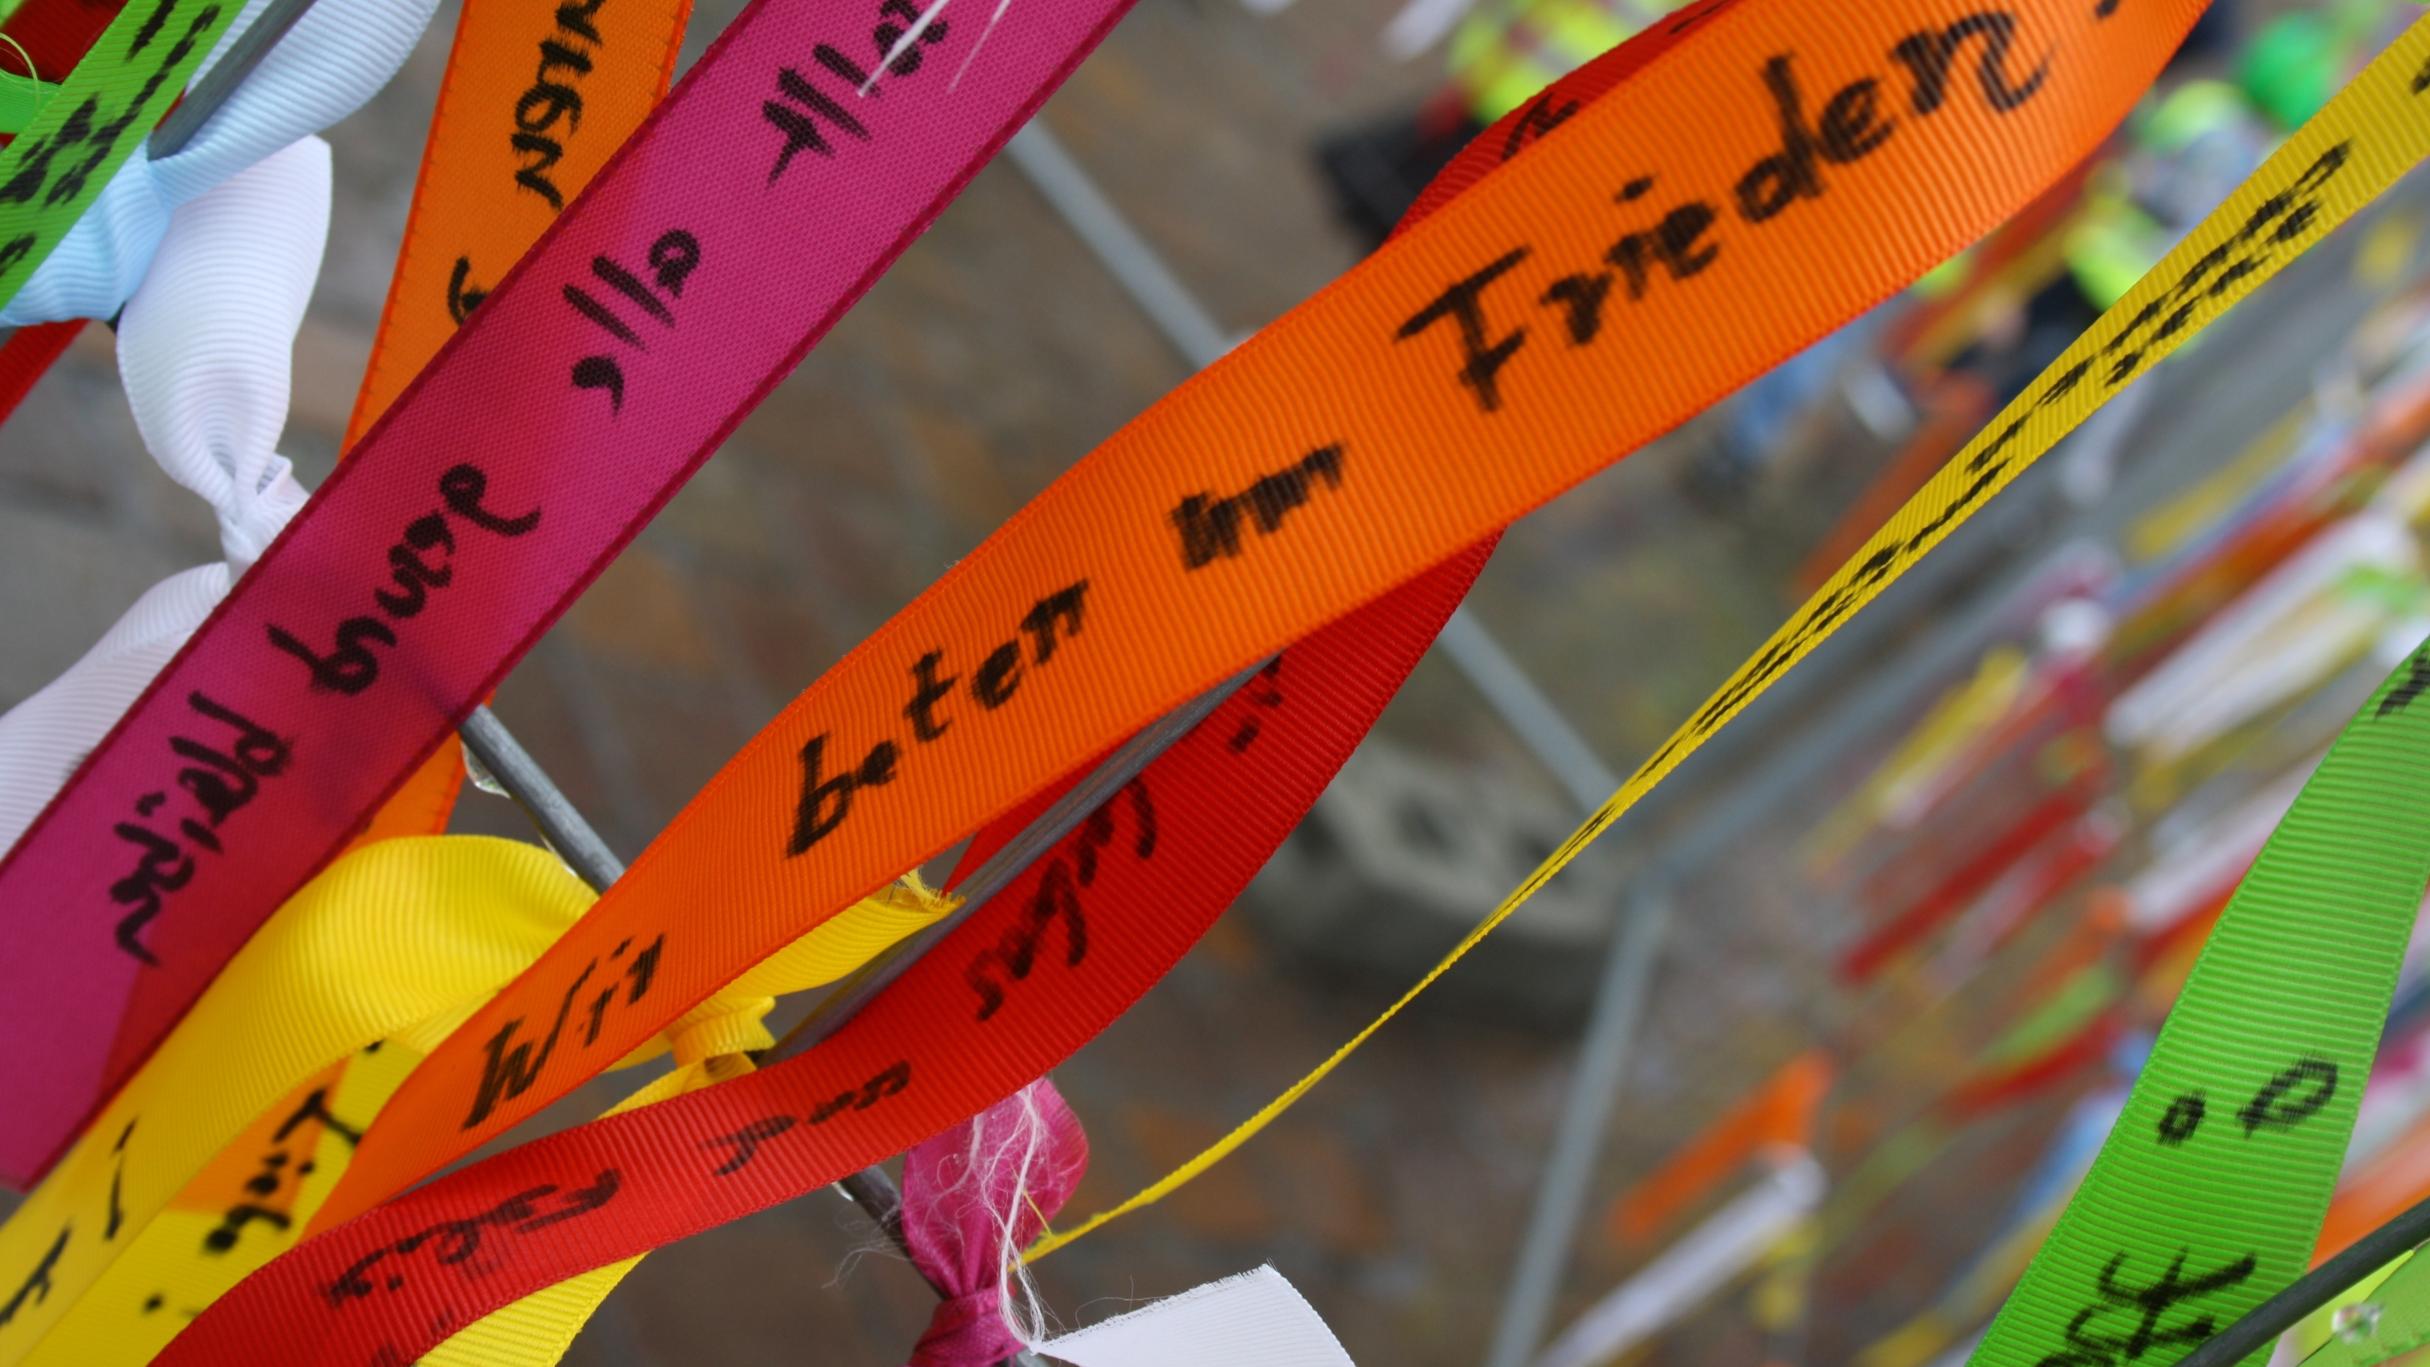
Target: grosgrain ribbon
(712,1043)
(2209,1191)
(1078,593)
(1271,720)
(536,96)
(338,55)
(481,197)
(397,941)
(206,352)
(686,224)
(2340,160)
(434,923)
(973,1197)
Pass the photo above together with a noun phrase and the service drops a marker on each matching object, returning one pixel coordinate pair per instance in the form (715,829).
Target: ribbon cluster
(174,803)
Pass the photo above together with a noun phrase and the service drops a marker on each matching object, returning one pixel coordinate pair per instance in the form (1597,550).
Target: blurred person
(1501,54)
(1763,420)
(2190,144)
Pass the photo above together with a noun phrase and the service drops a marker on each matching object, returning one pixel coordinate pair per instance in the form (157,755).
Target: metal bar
(1804,762)
(523,780)
(1117,246)
(1603,1059)
(502,758)
(2257,1330)
(1527,712)
(205,96)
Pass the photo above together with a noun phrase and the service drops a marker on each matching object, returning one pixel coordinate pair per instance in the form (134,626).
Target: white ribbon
(1256,1317)
(1731,1240)
(2285,633)
(337,56)
(206,351)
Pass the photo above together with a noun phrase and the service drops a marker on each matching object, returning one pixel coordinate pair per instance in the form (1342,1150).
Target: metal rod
(1506,689)
(1603,1059)
(2257,1330)
(203,99)
(505,760)
(530,787)
(1118,247)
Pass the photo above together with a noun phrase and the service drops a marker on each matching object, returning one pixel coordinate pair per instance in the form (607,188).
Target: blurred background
(1843,1009)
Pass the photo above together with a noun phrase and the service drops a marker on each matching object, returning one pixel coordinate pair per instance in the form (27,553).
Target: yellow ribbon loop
(712,1043)
(215,1155)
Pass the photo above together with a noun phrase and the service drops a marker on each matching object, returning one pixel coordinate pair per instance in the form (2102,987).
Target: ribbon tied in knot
(973,1197)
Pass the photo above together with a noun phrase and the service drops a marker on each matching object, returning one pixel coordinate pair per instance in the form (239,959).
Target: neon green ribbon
(2210,1191)
(93,121)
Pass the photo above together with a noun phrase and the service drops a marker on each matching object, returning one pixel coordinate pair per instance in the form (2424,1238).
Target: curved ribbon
(397,942)
(2338,162)
(435,923)
(206,353)
(337,56)
(650,1212)
(2209,1192)
(1091,577)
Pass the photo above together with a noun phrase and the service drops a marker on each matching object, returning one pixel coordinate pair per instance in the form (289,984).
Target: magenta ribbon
(1020,1158)
(734,227)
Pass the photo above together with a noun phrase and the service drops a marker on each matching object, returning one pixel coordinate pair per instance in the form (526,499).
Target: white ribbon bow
(337,56)
(206,351)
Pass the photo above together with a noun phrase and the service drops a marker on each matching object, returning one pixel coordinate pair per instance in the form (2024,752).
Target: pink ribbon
(973,1198)
(750,210)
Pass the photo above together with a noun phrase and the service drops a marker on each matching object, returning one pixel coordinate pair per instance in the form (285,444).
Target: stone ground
(996,353)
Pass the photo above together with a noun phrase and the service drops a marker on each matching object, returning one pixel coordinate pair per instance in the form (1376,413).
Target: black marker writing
(454,1242)
(510,1066)
(225,764)
(420,560)
(2149,1306)
(745,1142)
(564,55)
(1210,527)
(671,259)
(1056,904)
(827,797)
(1681,239)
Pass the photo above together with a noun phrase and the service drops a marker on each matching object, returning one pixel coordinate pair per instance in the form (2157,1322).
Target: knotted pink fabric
(973,1197)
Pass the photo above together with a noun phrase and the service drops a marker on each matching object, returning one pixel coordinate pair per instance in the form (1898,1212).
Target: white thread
(984,34)
(1025,1317)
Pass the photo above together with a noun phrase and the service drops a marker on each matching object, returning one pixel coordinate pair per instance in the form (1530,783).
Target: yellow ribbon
(211,1159)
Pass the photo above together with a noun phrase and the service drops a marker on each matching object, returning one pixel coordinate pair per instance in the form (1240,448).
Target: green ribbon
(2210,1191)
(94,120)
(2208,1195)
(2382,1318)
(21,98)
